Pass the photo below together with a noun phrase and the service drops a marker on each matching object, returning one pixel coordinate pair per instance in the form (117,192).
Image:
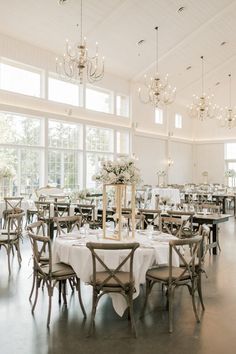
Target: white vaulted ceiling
(118,25)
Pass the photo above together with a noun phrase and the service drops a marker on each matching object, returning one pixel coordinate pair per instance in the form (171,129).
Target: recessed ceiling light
(223,43)
(217,83)
(141,42)
(189,67)
(181,9)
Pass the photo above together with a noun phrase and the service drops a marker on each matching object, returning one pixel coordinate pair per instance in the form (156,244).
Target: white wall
(210,158)
(181,171)
(151,153)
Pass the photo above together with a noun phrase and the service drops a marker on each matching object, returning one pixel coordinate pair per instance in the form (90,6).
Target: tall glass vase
(120,202)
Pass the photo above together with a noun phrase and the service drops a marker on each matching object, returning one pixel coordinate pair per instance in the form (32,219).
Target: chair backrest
(43,209)
(13,202)
(171,225)
(186,216)
(87,211)
(14,223)
(112,274)
(70,223)
(40,245)
(37,228)
(152,216)
(188,264)
(61,209)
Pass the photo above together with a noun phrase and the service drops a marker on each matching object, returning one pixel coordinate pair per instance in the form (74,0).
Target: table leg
(214,238)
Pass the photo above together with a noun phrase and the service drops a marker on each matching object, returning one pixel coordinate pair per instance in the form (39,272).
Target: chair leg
(170,308)
(94,306)
(131,311)
(17,246)
(50,293)
(80,297)
(64,291)
(37,283)
(193,300)
(8,259)
(33,286)
(199,289)
(148,290)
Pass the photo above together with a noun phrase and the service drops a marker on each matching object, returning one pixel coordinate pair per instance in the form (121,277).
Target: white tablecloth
(172,194)
(73,251)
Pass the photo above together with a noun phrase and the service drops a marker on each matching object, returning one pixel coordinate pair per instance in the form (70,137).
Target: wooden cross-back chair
(12,206)
(51,274)
(105,280)
(10,236)
(172,277)
(67,224)
(87,212)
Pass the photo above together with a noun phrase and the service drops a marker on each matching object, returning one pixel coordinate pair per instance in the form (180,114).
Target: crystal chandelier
(76,61)
(157,92)
(202,108)
(227,116)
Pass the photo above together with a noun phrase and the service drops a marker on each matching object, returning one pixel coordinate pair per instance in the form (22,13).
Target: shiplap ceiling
(118,25)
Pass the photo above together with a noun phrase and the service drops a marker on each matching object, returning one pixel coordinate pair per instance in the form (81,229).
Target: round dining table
(153,250)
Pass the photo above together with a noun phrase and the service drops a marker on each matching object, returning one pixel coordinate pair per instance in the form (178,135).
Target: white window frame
(29,68)
(103,90)
(159,115)
(178,121)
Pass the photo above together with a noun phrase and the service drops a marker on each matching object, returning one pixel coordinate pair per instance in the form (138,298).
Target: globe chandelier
(202,107)
(76,62)
(157,92)
(227,116)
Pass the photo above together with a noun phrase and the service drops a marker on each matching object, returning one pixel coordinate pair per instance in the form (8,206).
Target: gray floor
(21,333)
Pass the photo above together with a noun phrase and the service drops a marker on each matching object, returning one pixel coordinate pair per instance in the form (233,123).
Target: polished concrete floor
(22,333)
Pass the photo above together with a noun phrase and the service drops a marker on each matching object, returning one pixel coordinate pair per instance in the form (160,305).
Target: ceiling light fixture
(202,108)
(76,60)
(227,116)
(158,92)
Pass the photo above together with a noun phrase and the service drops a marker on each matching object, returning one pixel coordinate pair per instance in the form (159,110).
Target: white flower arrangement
(121,171)
(230,173)
(161,173)
(7,171)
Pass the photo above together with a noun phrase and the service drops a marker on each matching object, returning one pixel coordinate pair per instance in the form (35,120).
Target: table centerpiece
(120,175)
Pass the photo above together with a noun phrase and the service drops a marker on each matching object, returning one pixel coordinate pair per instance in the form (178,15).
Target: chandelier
(227,116)
(76,61)
(202,108)
(157,92)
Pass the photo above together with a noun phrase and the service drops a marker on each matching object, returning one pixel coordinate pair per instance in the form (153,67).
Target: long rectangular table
(213,220)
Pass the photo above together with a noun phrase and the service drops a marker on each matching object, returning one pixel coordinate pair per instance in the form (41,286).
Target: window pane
(62,91)
(158,116)
(122,140)
(99,139)
(97,100)
(31,161)
(65,169)
(64,135)
(93,163)
(122,105)
(19,80)
(230,151)
(17,129)
(178,121)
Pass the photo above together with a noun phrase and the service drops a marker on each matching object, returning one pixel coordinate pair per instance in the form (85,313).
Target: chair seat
(124,278)
(59,270)
(162,273)
(4,237)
